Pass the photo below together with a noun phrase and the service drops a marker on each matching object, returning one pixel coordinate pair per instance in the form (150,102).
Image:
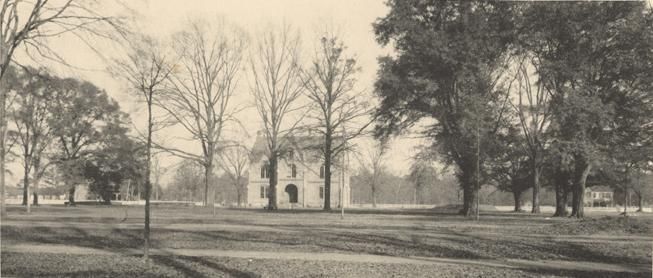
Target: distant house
(599,196)
(300,176)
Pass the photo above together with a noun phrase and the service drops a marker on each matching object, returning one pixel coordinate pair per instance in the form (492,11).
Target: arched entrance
(291,189)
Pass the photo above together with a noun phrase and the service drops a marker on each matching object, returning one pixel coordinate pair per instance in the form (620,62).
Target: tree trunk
(272,194)
(25,183)
(470,196)
(238,195)
(207,181)
(374,195)
(517,197)
(71,195)
(536,188)
(640,203)
(468,180)
(415,196)
(148,165)
(561,188)
(327,170)
(37,181)
(581,170)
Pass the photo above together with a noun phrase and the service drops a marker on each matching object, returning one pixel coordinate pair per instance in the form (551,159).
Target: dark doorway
(291,189)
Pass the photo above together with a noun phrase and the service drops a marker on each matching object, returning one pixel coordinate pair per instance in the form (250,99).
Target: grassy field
(94,241)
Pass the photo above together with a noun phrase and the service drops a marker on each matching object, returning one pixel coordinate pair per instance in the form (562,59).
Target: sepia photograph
(317,138)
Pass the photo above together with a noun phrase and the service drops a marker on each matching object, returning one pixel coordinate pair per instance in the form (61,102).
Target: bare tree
(202,89)
(146,68)
(532,107)
(374,163)
(339,110)
(235,161)
(276,89)
(29,24)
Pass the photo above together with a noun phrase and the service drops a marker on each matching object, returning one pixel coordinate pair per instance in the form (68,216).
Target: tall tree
(85,115)
(449,60)
(534,114)
(31,117)
(329,83)
(276,89)
(590,61)
(29,24)
(202,89)
(7,99)
(146,68)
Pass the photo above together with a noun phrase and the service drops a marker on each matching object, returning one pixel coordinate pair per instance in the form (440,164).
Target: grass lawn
(309,243)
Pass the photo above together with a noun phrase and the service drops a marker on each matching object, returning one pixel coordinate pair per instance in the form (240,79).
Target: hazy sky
(164,17)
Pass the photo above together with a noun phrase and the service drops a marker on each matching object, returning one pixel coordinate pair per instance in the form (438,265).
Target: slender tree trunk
(517,197)
(415,196)
(374,194)
(3,146)
(272,194)
(626,199)
(207,181)
(581,170)
(37,181)
(146,232)
(640,203)
(25,182)
(26,189)
(536,188)
(327,174)
(238,195)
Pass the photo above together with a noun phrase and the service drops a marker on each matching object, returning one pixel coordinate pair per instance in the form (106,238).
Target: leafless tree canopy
(276,87)
(31,23)
(337,109)
(203,85)
(329,81)
(276,83)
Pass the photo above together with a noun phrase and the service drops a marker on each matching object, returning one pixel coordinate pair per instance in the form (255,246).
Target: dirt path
(358,258)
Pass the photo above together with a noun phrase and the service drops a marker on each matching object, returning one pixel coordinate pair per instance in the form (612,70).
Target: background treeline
(65,132)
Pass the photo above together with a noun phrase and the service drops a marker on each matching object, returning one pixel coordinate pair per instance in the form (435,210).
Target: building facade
(599,196)
(300,177)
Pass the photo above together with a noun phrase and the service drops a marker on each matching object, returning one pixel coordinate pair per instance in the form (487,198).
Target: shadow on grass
(548,249)
(543,272)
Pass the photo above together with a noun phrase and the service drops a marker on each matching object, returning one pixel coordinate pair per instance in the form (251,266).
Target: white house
(300,176)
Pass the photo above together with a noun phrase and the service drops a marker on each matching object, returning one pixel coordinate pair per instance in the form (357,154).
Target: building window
(264,191)
(291,154)
(322,171)
(265,170)
(321,192)
(293,170)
